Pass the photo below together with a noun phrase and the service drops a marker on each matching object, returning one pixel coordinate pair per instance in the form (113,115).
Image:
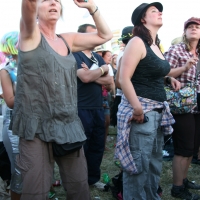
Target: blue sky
(116,12)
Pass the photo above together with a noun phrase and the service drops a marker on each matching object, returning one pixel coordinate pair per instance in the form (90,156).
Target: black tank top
(148,78)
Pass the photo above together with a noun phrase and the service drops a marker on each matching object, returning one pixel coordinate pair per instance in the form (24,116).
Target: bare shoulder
(136,46)
(69,38)
(136,42)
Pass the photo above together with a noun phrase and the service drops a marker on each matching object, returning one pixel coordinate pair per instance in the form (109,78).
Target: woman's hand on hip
(138,116)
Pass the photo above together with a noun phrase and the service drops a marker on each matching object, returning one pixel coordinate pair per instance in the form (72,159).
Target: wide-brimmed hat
(138,12)
(191,20)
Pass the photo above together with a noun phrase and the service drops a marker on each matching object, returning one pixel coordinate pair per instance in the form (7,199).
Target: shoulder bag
(184,100)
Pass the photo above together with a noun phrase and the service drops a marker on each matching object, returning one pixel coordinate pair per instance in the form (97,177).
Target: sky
(117,14)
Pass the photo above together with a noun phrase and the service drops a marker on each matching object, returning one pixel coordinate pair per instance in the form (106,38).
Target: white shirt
(110,71)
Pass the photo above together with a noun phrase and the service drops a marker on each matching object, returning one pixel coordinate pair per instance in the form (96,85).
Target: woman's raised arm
(84,41)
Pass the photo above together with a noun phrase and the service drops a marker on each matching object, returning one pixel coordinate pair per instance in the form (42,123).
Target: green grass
(111,169)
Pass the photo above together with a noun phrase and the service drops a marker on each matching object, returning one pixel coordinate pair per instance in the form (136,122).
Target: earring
(37,20)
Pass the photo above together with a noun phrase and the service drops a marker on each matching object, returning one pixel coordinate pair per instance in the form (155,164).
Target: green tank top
(46,96)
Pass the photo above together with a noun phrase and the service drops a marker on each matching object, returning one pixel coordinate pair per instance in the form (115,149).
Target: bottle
(106,178)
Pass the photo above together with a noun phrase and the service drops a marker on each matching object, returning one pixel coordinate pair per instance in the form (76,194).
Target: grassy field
(111,169)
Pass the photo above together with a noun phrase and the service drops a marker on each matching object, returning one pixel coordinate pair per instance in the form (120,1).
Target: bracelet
(102,71)
(94,11)
(138,115)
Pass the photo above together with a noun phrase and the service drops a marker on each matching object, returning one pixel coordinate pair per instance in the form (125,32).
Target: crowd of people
(60,97)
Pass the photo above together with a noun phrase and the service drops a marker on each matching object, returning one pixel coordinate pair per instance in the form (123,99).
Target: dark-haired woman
(143,115)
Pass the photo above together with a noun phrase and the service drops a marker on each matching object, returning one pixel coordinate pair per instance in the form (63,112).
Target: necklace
(92,58)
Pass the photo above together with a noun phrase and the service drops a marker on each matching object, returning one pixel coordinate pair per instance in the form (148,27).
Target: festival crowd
(60,94)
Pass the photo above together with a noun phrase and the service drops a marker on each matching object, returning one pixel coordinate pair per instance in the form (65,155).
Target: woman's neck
(193,46)
(153,32)
(49,31)
(87,53)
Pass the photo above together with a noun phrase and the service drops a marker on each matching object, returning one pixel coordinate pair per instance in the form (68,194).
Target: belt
(159,110)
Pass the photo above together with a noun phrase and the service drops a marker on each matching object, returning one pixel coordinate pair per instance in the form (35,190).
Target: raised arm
(29,31)
(80,41)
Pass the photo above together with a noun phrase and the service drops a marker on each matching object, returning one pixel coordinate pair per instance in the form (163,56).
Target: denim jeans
(146,142)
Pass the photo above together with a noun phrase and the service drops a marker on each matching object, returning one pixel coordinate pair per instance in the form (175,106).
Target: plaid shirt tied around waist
(122,150)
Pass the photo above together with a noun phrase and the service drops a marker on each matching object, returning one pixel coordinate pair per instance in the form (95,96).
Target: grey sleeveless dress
(46,96)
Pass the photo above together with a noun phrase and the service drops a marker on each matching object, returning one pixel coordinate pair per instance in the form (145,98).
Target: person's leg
(93,122)
(114,110)
(86,117)
(180,169)
(7,143)
(11,143)
(107,119)
(107,123)
(141,140)
(5,172)
(183,140)
(16,181)
(197,135)
(15,196)
(36,168)
(155,165)
(187,183)
(73,171)
(198,154)
(97,148)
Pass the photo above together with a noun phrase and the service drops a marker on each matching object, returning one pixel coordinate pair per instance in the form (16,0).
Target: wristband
(138,115)
(94,11)
(102,71)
